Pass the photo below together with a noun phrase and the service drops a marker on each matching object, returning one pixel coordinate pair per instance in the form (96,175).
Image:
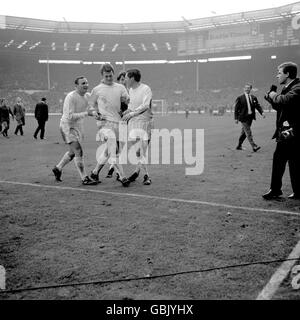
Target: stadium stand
(267,36)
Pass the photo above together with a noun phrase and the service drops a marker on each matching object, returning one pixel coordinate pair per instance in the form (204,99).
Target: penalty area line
(152,197)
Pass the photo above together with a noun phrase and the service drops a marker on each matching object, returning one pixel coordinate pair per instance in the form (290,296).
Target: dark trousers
(19,128)
(20,125)
(286,152)
(246,132)
(41,127)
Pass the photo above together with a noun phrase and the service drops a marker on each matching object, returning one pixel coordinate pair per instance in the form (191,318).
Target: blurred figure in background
(41,115)
(187,112)
(5,111)
(19,113)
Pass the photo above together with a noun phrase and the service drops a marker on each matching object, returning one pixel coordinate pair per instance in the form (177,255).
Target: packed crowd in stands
(204,100)
(218,84)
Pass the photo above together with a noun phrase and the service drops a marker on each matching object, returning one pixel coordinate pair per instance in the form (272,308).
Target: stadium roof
(29,24)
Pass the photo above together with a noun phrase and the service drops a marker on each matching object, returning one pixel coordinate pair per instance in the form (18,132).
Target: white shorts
(140,129)
(107,130)
(70,134)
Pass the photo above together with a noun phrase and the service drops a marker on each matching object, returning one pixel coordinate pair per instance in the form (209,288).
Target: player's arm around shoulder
(93,105)
(124,95)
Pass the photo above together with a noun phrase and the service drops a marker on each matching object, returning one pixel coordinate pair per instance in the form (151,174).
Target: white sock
(142,164)
(100,164)
(119,170)
(80,167)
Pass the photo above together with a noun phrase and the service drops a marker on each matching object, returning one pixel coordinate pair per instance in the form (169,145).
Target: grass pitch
(157,247)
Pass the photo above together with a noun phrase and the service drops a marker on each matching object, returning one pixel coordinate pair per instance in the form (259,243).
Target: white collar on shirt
(289,83)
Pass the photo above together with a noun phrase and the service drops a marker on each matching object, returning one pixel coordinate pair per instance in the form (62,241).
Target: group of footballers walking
(112,104)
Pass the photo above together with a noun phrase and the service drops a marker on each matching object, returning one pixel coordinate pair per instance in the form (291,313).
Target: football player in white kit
(75,109)
(140,120)
(107,98)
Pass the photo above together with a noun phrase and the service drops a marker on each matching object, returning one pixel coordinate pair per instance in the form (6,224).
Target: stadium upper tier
(19,23)
(189,39)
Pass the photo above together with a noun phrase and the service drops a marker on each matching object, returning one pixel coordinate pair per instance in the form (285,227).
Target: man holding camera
(287,134)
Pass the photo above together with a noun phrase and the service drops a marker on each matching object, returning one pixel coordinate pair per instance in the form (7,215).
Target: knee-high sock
(80,166)
(113,160)
(140,152)
(142,164)
(65,160)
(112,154)
(119,169)
(101,162)
(98,168)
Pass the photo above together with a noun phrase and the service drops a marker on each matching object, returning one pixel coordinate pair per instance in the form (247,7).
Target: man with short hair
(75,109)
(41,115)
(140,120)
(287,134)
(244,112)
(107,98)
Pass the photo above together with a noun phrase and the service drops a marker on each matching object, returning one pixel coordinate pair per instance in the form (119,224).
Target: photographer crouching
(287,134)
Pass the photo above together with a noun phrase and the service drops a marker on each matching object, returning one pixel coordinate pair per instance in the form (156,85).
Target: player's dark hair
(248,84)
(135,73)
(78,78)
(106,67)
(120,75)
(290,68)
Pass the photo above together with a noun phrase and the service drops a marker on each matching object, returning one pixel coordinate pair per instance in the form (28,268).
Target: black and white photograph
(149,153)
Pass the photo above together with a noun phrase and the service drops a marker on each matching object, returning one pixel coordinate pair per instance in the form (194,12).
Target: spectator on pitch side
(41,115)
(245,106)
(5,111)
(19,113)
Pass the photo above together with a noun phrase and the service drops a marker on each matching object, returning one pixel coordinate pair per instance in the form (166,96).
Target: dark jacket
(241,108)
(19,112)
(287,105)
(4,113)
(124,106)
(41,111)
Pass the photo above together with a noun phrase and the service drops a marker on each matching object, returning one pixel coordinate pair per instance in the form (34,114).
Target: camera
(274,89)
(287,134)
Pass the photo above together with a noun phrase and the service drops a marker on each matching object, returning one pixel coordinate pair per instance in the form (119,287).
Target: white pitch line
(212,204)
(281,273)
